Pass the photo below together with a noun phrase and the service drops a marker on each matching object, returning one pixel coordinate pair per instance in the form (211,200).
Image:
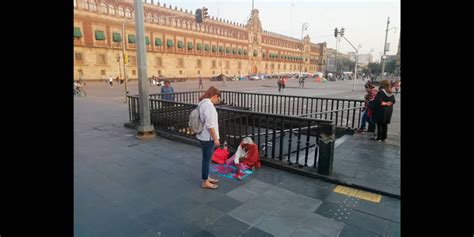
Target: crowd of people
(378,108)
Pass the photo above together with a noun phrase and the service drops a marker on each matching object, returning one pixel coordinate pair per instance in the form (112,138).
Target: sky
(365,22)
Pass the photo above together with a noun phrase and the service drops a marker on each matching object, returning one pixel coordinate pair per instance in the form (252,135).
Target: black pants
(381,131)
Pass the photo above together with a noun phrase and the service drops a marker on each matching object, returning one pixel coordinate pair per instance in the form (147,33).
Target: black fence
(344,112)
(282,139)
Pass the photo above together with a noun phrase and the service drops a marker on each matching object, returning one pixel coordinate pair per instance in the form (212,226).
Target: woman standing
(384,101)
(209,136)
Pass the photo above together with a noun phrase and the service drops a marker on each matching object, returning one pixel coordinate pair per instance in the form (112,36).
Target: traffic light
(198,16)
(204,13)
(201,14)
(335,32)
(342,31)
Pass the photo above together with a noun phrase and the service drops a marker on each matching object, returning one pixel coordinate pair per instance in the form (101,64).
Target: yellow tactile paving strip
(371,197)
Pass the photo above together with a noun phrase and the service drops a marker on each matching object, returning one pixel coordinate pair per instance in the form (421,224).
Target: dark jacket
(383,114)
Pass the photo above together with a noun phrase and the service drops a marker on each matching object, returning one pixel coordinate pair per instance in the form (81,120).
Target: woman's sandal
(214,186)
(213,180)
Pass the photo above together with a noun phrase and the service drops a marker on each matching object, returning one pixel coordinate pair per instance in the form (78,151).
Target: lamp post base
(146,135)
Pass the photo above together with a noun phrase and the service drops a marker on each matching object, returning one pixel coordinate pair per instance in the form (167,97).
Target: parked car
(254,77)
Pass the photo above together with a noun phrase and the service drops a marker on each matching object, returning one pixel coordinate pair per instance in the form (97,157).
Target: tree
(374,68)
(390,66)
(346,65)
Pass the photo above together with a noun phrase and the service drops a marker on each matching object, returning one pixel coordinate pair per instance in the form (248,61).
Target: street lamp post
(145,129)
(355,68)
(385,46)
(123,57)
(303,28)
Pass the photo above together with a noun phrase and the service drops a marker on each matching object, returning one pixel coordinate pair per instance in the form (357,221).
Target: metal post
(335,56)
(385,48)
(357,52)
(305,25)
(145,130)
(355,70)
(327,133)
(125,76)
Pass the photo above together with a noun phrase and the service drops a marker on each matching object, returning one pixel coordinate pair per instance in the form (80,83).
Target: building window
(92,5)
(198,63)
(169,43)
(111,10)
(120,12)
(158,42)
(213,64)
(99,35)
(180,62)
(158,62)
(180,72)
(159,72)
(77,33)
(127,13)
(266,65)
(84,4)
(101,59)
(116,37)
(134,72)
(227,63)
(213,72)
(79,58)
(199,72)
(226,72)
(80,72)
(132,39)
(102,72)
(103,8)
(239,65)
(278,66)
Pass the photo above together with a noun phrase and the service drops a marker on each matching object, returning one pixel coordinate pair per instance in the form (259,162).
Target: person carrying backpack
(208,135)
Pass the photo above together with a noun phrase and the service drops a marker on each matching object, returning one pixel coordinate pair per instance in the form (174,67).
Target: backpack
(195,123)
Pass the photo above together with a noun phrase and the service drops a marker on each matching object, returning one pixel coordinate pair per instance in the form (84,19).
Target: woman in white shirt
(209,136)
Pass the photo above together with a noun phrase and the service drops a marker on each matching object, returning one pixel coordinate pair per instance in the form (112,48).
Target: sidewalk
(127,187)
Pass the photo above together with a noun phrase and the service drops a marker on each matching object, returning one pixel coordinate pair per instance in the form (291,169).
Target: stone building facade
(177,46)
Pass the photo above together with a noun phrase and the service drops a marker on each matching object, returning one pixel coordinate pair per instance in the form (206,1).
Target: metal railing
(281,138)
(344,112)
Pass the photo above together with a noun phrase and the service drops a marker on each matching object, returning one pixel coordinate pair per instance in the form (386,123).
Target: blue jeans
(364,120)
(207,151)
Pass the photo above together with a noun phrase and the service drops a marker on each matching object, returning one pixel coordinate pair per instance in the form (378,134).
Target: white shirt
(208,115)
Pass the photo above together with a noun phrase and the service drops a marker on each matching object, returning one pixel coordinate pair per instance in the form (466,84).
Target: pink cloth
(241,165)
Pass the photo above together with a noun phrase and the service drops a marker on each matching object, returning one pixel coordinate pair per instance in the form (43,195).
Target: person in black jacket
(383,109)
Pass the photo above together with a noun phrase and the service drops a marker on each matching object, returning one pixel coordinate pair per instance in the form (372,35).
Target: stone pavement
(127,187)
(357,160)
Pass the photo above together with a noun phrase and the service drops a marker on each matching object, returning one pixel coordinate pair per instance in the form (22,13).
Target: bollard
(327,133)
